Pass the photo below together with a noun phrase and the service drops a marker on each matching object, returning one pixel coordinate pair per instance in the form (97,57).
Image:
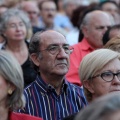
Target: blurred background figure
(105,108)
(3,8)
(93,26)
(111,32)
(11,89)
(64,14)
(2,40)
(76,35)
(60,6)
(69,7)
(11,3)
(14,28)
(100,73)
(31,8)
(112,8)
(113,44)
(117,1)
(73,36)
(48,12)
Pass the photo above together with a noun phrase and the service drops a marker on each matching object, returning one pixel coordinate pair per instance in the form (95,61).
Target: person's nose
(18,27)
(115,80)
(62,53)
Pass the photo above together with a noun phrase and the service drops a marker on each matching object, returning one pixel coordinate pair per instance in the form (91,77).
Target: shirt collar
(44,87)
(86,45)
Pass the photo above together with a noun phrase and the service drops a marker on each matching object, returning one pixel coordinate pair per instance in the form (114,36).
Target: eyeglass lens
(109,76)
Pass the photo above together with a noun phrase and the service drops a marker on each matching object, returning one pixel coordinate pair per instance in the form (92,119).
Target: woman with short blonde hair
(97,73)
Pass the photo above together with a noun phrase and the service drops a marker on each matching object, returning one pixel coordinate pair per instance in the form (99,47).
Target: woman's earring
(10,91)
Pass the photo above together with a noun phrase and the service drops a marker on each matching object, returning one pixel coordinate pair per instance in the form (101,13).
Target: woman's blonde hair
(113,44)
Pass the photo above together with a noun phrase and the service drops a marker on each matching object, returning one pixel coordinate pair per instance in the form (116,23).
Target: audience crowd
(59,59)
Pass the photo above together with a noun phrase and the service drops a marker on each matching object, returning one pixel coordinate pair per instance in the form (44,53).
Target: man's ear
(35,59)
(88,85)
(85,31)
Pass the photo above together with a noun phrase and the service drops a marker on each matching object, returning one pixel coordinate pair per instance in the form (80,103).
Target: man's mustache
(50,15)
(62,61)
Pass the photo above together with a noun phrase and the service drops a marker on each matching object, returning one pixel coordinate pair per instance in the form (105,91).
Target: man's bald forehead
(30,2)
(94,14)
(50,33)
(24,3)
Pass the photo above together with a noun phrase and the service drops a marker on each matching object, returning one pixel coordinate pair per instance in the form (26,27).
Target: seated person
(113,44)
(14,28)
(11,89)
(51,96)
(93,26)
(100,73)
(106,107)
(110,33)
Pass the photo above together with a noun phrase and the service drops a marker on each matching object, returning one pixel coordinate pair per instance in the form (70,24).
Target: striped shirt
(42,100)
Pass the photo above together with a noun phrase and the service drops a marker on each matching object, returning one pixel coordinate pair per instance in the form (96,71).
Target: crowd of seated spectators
(59,59)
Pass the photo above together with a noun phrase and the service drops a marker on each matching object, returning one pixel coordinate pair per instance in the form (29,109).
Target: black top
(29,74)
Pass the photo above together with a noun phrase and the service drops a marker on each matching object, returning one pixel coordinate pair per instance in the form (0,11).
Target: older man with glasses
(51,96)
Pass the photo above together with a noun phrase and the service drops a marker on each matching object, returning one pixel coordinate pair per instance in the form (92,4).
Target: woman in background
(14,25)
(111,33)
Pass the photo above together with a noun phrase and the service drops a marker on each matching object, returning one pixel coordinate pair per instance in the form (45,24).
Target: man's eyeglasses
(56,49)
(108,76)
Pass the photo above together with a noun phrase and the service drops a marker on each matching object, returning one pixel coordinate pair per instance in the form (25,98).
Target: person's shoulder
(77,91)
(73,86)
(30,87)
(77,47)
(21,116)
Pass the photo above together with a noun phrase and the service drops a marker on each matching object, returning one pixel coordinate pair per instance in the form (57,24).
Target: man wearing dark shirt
(51,96)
